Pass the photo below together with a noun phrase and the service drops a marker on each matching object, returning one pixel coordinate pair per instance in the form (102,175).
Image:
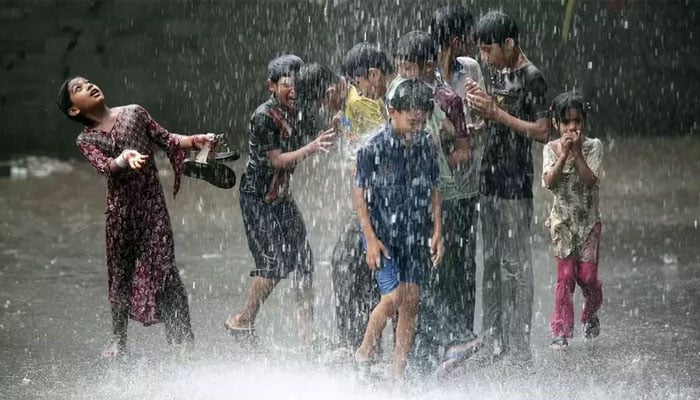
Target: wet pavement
(54,319)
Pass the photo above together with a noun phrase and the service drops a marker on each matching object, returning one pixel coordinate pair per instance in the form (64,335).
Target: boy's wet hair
(495,27)
(284,65)
(567,101)
(417,47)
(363,56)
(449,22)
(312,82)
(64,103)
(412,94)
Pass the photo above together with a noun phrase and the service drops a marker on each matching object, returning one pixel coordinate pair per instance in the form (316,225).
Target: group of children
(425,152)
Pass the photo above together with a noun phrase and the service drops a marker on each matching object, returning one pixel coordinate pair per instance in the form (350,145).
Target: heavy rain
(202,66)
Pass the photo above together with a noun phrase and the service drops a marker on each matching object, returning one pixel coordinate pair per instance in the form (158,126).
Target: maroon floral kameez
(140,249)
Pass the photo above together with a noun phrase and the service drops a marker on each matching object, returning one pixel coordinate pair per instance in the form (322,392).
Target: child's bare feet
(115,349)
(238,324)
(363,355)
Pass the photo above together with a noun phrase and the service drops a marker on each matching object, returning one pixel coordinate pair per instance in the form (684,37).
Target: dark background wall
(200,65)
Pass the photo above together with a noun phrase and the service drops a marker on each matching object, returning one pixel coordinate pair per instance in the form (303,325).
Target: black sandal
(211,170)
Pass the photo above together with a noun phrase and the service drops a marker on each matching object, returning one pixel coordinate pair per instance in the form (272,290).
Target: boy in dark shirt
(274,226)
(516,107)
(397,200)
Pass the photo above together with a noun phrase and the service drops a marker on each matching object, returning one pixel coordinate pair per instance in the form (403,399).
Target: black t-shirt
(271,127)
(507,170)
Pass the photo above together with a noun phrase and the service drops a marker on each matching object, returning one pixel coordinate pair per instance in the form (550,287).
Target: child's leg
(562,322)
(587,275)
(120,321)
(591,288)
(174,310)
(406,328)
(262,226)
(259,292)
(386,308)
(305,308)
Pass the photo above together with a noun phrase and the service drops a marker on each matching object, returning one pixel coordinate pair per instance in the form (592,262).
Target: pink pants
(571,271)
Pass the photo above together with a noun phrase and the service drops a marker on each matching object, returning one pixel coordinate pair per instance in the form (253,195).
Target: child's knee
(587,274)
(565,271)
(410,296)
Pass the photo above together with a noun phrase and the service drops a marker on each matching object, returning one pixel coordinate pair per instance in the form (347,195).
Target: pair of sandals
(208,165)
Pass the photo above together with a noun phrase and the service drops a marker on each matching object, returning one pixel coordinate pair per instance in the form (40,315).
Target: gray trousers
(508,287)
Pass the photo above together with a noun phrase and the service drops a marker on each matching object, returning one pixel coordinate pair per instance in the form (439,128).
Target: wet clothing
(507,162)
(506,212)
(574,226)
(508,287)
(276,237)
(448,292)
(398,179)
(400,267)
(571,271)
(271,127)
(446,102)
(274,226)
(575,208)
(365,116)
(140,249)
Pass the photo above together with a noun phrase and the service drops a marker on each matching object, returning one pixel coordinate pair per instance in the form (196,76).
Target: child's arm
(108,165)
(364,175)
(483,103)
(436,240)
(375,248)
(289,159)
(460,154)
(551,176)
(584,171)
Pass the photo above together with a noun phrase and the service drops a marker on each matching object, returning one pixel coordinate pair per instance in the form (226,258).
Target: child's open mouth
(95,92)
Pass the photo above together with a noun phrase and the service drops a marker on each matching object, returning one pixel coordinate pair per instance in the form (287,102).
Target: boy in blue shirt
(397,201)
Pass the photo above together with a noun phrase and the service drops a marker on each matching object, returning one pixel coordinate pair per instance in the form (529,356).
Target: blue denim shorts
(403,266)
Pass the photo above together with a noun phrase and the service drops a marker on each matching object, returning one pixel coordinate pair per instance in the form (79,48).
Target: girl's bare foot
(115,349)
(238,324)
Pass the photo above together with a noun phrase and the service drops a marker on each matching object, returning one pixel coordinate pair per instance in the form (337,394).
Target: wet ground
(54,319)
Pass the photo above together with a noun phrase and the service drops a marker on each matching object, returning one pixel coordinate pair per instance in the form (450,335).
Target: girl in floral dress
(572,168)
(144,283)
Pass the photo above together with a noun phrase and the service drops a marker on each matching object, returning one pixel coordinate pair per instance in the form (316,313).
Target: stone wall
(200,65)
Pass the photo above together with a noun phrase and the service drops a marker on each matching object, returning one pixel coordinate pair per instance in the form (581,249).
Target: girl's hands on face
(566,143)
(575,140)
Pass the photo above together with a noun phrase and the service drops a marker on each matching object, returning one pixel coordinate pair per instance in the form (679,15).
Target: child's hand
(480,101)
(436,249)
(471,86)
(375,251)
(199,141)
(323,142)
(132,159)
(576,140)
(566,141)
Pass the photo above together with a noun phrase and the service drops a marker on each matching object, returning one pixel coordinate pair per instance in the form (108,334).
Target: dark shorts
(276,238)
